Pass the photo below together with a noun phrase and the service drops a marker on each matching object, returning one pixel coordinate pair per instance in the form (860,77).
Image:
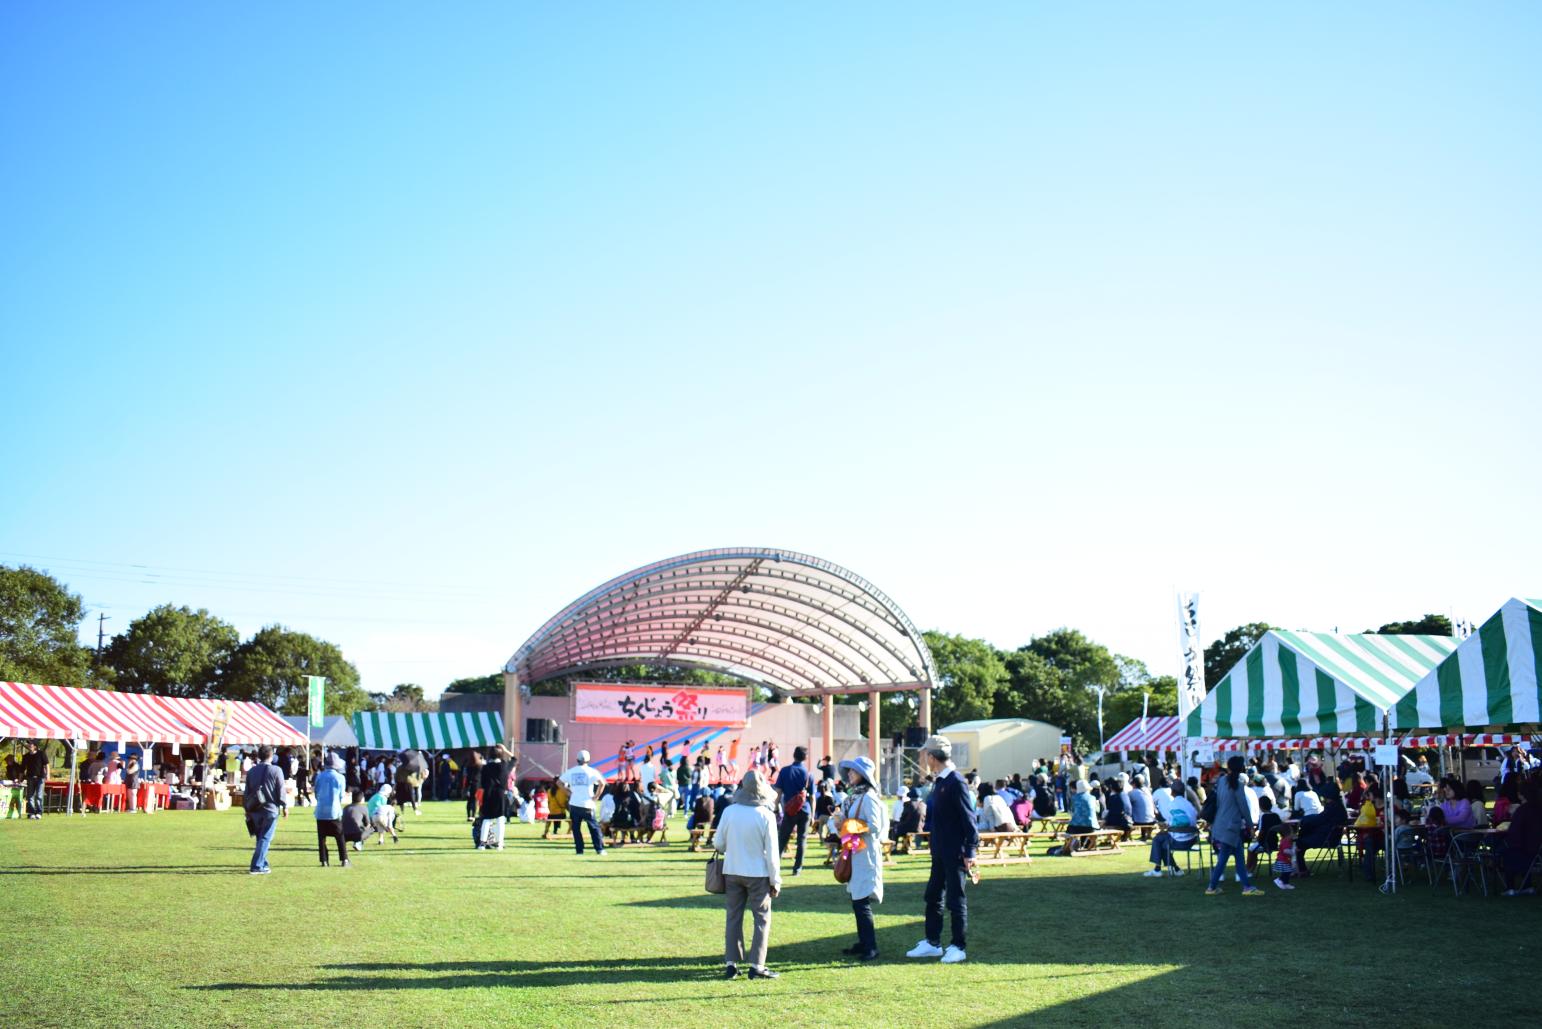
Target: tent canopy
(1316,684)
(440,730)
(335,731)
(1161,735)
(1492,678)
(788,621)
(65,712)
(251,724)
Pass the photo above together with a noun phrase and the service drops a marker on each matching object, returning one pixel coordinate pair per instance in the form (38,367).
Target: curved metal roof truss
(789,621)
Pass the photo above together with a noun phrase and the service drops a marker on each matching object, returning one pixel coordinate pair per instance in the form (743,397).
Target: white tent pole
(69,798)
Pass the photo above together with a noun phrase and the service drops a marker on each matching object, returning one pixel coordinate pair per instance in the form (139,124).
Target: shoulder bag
(715,883)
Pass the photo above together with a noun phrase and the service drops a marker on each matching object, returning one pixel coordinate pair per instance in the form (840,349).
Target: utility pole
(100,632)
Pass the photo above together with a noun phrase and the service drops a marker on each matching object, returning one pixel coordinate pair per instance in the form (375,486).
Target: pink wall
(789,725)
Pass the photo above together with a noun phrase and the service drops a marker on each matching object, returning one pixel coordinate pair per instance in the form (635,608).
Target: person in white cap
(950,821)
(584,786)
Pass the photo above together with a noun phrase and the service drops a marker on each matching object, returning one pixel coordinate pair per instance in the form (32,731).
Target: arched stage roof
(791,622)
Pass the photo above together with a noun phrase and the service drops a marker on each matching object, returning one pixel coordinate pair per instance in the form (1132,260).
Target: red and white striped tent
(1161,736)
(251,723)
(31,711)
(1484,739)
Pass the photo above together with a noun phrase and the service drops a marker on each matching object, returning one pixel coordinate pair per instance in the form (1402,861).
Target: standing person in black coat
(34,770)
(495,798)
(950,821)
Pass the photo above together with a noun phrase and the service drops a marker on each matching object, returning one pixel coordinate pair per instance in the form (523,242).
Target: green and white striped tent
(440,730)
(1491,680)
(1316,684)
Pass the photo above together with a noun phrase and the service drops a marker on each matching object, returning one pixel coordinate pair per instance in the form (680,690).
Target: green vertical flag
(318,689)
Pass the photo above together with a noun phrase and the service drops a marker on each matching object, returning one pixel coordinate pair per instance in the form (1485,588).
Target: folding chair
(1413,855)
(1192,848)
(1333,847)
(1463,858)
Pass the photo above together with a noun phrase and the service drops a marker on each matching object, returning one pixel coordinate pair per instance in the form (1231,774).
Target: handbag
(715,882)
(843,866)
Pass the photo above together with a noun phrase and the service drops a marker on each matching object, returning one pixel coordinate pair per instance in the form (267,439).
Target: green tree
(172,651)
(271,668)
(404,698)
(1225,652)
(1429,625)
(969,673)
(477,684)
(1123,705)
(39,630)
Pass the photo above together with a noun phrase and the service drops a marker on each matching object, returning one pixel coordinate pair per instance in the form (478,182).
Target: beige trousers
(753,892)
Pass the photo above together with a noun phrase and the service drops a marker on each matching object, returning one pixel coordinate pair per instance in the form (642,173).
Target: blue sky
(404,325)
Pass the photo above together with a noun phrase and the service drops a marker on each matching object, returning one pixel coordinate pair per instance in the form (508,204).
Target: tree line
(181,652)
(171,651)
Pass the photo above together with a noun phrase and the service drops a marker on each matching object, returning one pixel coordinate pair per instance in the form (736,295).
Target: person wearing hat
(953,836)
(584,785)
(864,805)
(912,815)
(329,810)
(752,872)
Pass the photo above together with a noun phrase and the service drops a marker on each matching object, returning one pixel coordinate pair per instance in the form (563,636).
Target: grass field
(152,920)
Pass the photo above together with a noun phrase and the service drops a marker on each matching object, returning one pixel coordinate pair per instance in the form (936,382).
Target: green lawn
(151,920)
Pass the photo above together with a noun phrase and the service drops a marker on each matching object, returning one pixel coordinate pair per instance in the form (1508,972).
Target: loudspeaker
(915,736)
(899,739)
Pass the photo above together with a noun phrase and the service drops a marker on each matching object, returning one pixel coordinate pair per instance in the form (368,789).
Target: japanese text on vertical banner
(1191,674)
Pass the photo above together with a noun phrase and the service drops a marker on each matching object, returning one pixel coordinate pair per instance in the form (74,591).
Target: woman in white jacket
(864,804)
(752,871)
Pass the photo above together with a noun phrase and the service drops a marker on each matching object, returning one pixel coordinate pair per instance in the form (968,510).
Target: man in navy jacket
(953,837)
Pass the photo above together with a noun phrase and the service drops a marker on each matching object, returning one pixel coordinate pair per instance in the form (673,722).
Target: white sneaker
(1282,884)
(953,956)
(1155,873)
(924,949)
(1177,873)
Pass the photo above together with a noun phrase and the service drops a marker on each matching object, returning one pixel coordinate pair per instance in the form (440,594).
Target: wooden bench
(1099,841)
(700,838)
(992,846)
(618,837)
(833,844)
(553,828)
(1052,824)
(912,842)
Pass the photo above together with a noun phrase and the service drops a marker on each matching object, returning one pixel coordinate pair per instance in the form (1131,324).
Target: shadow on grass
(117,870)
(452,975)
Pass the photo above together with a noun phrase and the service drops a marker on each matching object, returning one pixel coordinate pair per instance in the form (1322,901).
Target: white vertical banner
(1191,671)
(1145,707)
(1191,674)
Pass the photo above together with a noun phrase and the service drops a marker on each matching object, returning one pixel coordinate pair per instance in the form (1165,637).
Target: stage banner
(608,703)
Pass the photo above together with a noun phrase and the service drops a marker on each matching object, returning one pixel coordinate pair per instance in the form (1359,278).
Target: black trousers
(799,822)
(867,938)
(579,817)
(330,829)
(947,881)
